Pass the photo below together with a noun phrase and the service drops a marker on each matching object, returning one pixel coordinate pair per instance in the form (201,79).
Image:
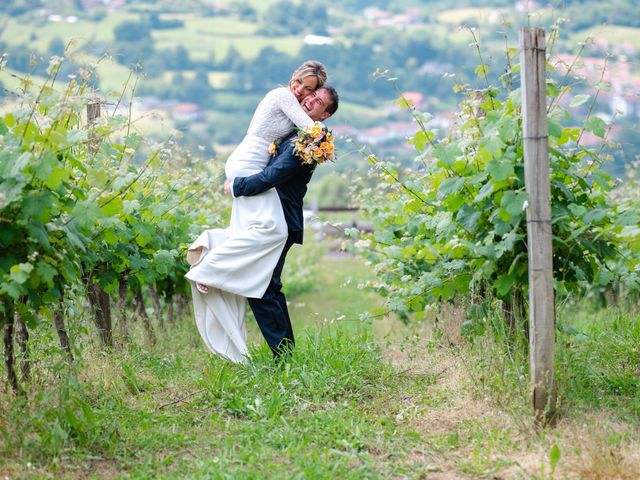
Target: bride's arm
(288,103)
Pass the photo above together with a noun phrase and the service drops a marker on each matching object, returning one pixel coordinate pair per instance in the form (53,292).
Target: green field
(613,34)
(202,37)
(459,16)
(38,35)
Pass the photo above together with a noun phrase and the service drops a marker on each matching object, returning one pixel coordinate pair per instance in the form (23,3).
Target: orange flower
(327,147)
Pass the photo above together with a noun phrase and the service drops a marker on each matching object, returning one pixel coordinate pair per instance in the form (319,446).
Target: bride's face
(302,87)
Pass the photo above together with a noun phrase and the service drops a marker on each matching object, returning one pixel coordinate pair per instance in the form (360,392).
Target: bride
(228,265)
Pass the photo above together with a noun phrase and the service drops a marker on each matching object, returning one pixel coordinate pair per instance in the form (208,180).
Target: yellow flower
(273,148)
(327,147)
(316,131)
(329,137)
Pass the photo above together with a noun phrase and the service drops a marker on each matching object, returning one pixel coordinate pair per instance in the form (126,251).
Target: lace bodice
(277,114)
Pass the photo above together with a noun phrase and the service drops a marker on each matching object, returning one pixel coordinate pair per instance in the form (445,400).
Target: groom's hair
(335,99)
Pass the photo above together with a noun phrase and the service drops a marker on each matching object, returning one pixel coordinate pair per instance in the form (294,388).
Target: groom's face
(316,103)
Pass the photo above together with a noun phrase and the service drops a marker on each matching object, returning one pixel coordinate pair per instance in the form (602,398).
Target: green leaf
(493,145)
(58,175)
(420,139)
(595,215)
(468,217)
(569,134)
(46,272)
(603,180)
(446,154)
(455,201)
(552,89)
(76,136)
(504,215)
(110,237)
(577,210)
(555,129)
(579,100)
(604,277)
(513,202)
(43,168)
(450,186)
(500,171)
(481,71)
(503,285)
(38,233)
(404,103)
(113,207)
(97,176)
(11,289)
(485,191)
(595,125)
(507,129)
(86,213)
(20,273)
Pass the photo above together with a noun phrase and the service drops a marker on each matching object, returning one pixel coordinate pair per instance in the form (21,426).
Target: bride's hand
(227,187)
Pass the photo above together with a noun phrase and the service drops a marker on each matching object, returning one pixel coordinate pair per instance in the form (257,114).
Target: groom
(290,177)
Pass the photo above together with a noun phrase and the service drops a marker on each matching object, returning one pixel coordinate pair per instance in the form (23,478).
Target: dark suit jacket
(290,177)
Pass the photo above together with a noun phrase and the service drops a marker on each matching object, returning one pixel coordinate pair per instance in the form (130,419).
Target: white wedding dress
(237,262)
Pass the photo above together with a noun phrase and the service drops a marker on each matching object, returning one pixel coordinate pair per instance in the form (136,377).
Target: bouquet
(314,144)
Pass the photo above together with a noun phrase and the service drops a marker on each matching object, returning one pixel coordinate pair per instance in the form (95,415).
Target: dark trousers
(271,310)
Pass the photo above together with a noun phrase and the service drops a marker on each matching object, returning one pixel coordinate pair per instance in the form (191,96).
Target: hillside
(219,58)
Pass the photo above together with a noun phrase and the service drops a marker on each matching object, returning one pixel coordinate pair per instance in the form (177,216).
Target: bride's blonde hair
(311,67)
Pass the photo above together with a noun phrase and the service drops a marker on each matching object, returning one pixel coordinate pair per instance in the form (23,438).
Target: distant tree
(131,31)
(19,7)
(286,17)
(19,58)
(182,60)
(56,47)
(331,190)
(357,5)
(197,90)
(133,53)
(176,58)
(133,44)
(268,70)
(155,22)
(233,60)
(245,11)
(155,65)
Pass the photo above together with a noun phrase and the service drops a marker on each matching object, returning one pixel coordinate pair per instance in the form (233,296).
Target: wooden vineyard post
(93,112)
(536,167)
(99,300)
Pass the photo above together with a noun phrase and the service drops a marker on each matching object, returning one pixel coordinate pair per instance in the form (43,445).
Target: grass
(348,404)
(613,34)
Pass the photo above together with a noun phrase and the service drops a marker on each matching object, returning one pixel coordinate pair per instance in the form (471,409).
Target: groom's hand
(227,187)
